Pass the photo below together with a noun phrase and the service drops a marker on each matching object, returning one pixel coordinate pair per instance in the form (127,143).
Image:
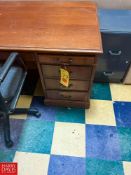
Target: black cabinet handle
(115,53)
(108,73)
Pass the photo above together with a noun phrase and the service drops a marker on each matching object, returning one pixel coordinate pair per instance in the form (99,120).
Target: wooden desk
(57,34)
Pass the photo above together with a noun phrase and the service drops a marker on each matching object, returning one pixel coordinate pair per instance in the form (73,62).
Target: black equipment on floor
(12,77)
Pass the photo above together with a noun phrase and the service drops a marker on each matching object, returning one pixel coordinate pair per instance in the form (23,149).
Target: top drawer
(66,60)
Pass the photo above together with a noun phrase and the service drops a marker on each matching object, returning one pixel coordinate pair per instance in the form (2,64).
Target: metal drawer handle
(108,73)
(115,53)
(64,96)
(66,63)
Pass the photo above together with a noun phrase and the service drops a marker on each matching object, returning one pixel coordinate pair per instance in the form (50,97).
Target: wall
(117,4)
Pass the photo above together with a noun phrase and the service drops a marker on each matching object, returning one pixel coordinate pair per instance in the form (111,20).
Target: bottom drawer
(67,103)
(66,95)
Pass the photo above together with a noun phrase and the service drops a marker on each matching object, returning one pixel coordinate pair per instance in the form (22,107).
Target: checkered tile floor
(74,141)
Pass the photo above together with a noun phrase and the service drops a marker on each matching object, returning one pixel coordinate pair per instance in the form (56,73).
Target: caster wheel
(9,144)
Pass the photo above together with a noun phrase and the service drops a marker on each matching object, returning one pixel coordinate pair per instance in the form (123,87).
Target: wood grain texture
(50,26)
(67,103)
(70,60)
(84,73)
(74,85)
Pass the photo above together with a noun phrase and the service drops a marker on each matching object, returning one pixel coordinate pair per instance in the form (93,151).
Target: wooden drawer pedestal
(81,70)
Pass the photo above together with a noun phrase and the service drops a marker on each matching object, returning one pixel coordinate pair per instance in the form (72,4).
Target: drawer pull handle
(70,60)
(115,53)
(66,63)
(65,96)
(108,73)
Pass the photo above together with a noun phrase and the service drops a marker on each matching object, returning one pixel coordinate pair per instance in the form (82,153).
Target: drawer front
(66,60)
(67,95)
(67,103)
(79,73)
(117,53)
(73,85)
(114,77)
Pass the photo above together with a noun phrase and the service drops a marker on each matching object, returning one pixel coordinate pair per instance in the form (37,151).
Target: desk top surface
(50,26)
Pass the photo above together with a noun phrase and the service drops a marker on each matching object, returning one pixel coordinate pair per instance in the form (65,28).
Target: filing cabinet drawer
(66,60)
(66,95)
(76,72)
(73,85)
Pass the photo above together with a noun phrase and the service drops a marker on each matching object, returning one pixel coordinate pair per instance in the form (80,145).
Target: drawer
(66,60)
(67,103)
(73,85)
(114,77)
(117,52)
(67,95)
(76,72)
(26,56)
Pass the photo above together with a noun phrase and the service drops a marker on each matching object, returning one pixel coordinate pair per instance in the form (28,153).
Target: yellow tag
(64,79)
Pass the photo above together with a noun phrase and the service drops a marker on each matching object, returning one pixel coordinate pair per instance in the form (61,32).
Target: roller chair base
(6,127)
(7,137)
(31,111)
(12,77)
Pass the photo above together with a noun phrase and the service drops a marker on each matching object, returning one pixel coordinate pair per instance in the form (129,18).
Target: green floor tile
(36,137)
(7,156)
(125,143)
(102,167)
(101,91)
(73,115)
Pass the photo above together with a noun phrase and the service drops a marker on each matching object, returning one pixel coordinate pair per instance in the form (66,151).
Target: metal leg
(8,141)
(35,112)
(31,111)
(20,111)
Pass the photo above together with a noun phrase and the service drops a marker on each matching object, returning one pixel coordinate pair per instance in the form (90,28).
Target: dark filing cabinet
(115,26)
